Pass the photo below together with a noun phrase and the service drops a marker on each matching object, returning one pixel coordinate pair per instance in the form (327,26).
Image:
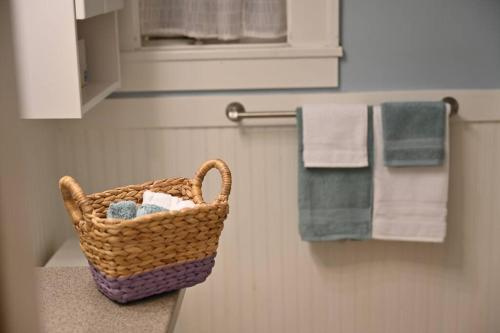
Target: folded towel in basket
(335,203)
(334,135)
(146,209)
(165,200)
(413,133)
(409,203)
(123,210)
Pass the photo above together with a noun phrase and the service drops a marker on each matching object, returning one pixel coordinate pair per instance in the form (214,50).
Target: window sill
(228,67)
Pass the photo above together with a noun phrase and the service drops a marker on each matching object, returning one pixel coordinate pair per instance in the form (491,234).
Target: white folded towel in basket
(165,200)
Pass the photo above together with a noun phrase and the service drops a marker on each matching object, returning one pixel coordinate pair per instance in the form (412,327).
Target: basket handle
(74,198)
(200,175)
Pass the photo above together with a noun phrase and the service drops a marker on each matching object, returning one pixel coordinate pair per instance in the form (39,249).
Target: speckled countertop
(70,302)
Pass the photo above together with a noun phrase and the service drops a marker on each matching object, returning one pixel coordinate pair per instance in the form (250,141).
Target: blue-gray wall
(412,45)
(420,44)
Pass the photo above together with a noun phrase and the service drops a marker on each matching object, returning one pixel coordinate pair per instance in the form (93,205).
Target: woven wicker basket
(151,254)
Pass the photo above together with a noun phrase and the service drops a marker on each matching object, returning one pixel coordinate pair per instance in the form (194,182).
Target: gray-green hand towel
(413,133)
(335,203)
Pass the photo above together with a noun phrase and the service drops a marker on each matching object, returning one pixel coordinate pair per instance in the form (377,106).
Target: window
(199,22)
(178,45)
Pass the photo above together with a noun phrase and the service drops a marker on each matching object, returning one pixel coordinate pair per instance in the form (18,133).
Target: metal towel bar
(235,111)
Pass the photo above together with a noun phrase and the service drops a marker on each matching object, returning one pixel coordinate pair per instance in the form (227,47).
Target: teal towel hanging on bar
(335,203)
(413,133)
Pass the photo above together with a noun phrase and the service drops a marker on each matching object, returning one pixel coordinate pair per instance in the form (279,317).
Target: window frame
(309,58)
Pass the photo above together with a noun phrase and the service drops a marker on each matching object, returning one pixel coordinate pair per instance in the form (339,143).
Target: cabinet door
(46,35)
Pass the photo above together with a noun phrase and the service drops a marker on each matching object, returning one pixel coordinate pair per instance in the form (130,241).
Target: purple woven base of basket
(158,281)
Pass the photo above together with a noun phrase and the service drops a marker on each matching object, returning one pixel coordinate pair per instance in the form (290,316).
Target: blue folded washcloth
(414,133)
(335,203)
(146,209)
(124,210)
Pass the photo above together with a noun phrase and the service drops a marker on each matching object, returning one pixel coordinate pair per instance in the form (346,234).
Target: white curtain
(221,19)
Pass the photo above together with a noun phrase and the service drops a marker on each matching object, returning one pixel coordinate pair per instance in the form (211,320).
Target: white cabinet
(46,35)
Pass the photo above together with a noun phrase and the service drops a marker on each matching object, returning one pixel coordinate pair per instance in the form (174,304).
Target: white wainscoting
(266,279)
(40,193)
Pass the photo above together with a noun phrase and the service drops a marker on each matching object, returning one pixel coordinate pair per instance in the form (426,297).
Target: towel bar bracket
(235,111)
(453,103)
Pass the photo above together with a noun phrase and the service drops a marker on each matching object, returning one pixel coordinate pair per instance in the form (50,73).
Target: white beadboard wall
(40,193)
(266,279)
